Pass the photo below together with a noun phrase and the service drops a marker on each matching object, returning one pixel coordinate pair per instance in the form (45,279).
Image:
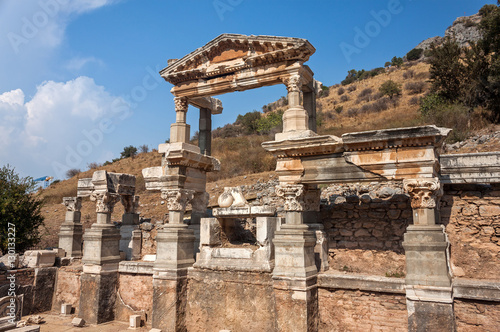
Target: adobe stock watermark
(223,6)
(121,109)
(11,258)
(372,29)
(32,26)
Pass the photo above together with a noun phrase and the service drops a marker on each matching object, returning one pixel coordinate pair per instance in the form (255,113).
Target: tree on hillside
(249,121)
(397,61)
(128,151)
(144,148)
(390,88)
(72,172)
(20,211)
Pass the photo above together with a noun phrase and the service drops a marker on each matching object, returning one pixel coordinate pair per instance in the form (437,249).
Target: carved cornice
(105,201)
(424,192)
(181,104)
(256,50)
(293,195)
(177,199)
(130,203)
(73,204)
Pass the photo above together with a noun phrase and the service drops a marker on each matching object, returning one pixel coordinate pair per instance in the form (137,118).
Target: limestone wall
(476,316)
(349,310)
(471,215)
(67,287)
(135,296)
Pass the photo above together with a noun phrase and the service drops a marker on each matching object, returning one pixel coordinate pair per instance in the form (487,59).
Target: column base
(174,247)
(97,297)
(101,245)
(169,300)
(296,304)
(425,251)
(294,252)
(71,239)
(430,309)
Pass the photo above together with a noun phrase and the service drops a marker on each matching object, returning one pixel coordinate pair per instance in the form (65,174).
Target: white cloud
(61,127)
(77,63)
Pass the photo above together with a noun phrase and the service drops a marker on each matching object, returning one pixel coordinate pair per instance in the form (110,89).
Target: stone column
(428,281)
(295,273)
(295,118)
(174,255)
(312,198)
(179,131)
(101,256)
(130,235)
(310,106)
(199,206)
(205,133)
(70,235)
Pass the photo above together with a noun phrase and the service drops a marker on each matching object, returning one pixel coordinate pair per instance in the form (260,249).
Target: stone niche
(225,244)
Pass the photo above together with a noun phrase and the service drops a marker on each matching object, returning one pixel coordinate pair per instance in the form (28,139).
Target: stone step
(5,325)
(33,328)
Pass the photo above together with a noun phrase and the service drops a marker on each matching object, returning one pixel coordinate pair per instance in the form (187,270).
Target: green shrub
(414,54)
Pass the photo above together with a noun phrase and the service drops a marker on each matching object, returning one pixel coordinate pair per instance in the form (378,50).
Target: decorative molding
(293,195)
(181,104)
(177,199)
(105,201)
(293,83)
(130,203)
(424,192)
(73,204)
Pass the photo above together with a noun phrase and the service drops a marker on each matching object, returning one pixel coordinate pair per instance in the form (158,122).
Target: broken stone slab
(119,183)
(9,262)
(39,258)
(78,322)
(245,212)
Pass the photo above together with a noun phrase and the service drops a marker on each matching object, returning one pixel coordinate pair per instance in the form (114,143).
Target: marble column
(295,118)
(71,232)
(205,131)
(130,234)
(101,257)
(174,255)
(295,272)
(179,131)
(428,280)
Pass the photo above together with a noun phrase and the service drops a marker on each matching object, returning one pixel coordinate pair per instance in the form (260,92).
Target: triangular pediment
(233,52)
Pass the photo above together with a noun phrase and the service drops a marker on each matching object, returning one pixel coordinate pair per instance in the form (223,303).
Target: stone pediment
(229,53)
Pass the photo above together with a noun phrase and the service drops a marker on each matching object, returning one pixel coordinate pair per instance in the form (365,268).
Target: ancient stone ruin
(266,265)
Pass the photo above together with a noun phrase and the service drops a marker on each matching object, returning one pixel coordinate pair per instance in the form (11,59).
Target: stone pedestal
(101,245)
(98,293)
(428,281)
(70,238)
(174,254)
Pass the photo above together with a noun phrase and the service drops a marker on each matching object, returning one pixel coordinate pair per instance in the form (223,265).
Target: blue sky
(80,78)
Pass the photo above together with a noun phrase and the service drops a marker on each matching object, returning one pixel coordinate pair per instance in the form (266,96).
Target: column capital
(73,204)
(181,104)
(293,83)
(130,203)
(177,199)
(293,195)
(424,192)
(105,201)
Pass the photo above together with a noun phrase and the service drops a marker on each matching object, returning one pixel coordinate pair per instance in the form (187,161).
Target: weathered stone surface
(170,304)
(98,297)
(238,301)
(67,287)
(473,316)
(354,310)
(43,288)
(430,316)
(135,296)
(39,258)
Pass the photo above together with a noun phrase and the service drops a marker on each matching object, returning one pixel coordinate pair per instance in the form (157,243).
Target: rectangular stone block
(39,258)
(210,232)
(66,309)
(78,322)
(135,321)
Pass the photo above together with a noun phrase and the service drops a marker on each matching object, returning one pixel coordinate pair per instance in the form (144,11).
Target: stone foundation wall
(477,316)
(237,301)
(135,296)
(67,288)
(344,310)
(471,215)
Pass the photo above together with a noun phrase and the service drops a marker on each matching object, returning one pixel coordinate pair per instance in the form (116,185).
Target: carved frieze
(73,204)
(293,195)
(424,192)
(105,201)
(177,199)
